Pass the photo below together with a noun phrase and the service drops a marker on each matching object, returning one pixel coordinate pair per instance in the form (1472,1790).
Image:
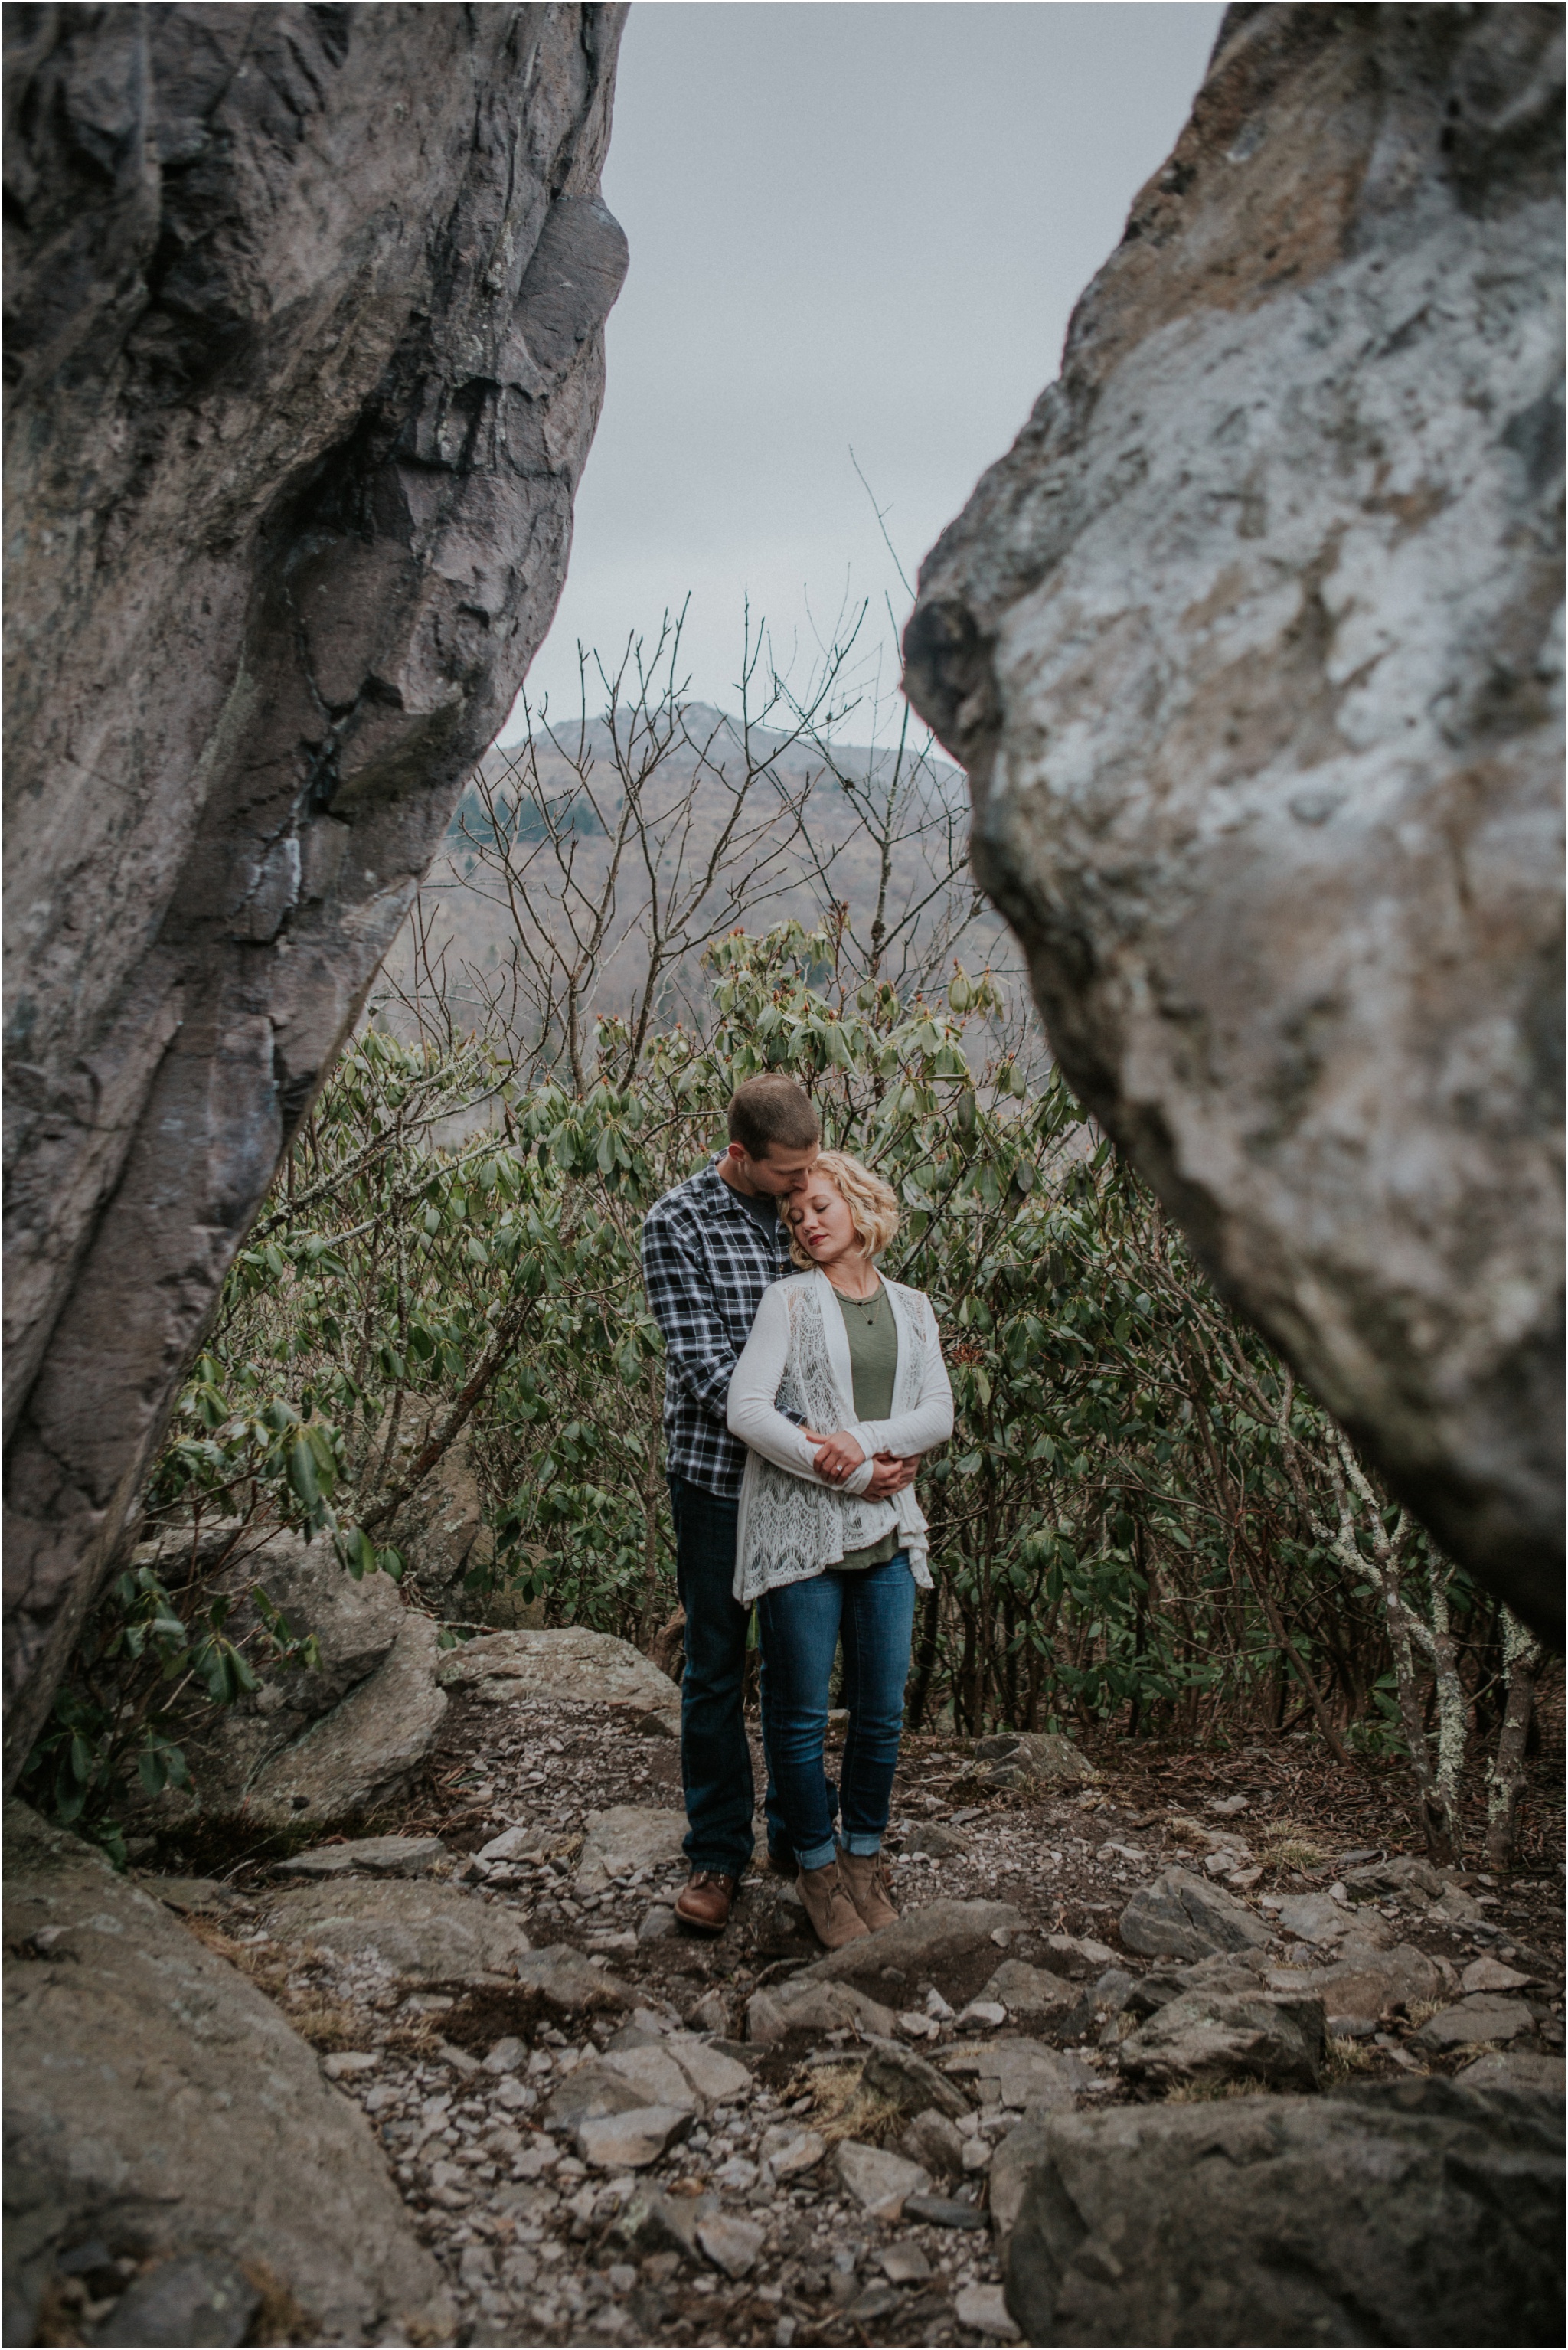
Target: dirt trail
(468,2084)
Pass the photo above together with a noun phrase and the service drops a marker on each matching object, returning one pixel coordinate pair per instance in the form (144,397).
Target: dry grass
(843,2107)
(268,1968)
(1421,2010)
(325,2026)
(1293,1846)
(1344,2057)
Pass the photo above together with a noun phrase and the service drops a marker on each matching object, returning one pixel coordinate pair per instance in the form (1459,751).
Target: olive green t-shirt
(873,1359)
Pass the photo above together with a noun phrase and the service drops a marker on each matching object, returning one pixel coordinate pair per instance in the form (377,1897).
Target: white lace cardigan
(792,1523)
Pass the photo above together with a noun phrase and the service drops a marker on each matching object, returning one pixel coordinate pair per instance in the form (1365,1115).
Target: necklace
(869,1306)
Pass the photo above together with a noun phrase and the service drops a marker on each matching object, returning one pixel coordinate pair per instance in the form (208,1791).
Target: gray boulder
(1364,1983)
(305,327)
(1417,2212)
(627,1836)
(935,1941)
(1244,643)
(1476,2020)
(155,2098)
(327,1748)
(422,1932)
(1181,1916)
(571,1667)
(1029,1993)
(1276,2040)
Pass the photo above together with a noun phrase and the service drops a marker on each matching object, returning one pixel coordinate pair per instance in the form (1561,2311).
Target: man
(710,1248)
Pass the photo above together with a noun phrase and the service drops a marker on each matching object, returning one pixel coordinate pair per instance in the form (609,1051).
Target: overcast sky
(852,227)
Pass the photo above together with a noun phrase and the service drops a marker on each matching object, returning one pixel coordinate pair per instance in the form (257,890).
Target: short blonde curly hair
(873,1205)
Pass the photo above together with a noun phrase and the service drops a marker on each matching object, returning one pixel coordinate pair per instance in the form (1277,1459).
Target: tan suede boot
(829,1907)
(865,1878)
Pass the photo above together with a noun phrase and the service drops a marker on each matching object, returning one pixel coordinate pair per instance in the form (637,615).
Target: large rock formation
(1414,2211)
(1249,648)
(159,2104)
(305,352)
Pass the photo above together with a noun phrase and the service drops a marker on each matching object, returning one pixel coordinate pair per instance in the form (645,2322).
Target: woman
(849,1352)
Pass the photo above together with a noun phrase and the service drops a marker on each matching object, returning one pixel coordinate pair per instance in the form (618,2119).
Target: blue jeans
(715,1759)
(872,1611)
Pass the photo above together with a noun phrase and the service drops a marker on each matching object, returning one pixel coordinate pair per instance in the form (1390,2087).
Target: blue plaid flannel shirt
(706,1262)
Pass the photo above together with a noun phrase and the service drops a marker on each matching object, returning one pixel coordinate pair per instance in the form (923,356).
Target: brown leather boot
(705,1900)
(865,1878)
(829,1907)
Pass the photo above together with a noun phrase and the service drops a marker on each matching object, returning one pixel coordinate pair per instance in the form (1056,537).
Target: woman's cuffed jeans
(872,1611)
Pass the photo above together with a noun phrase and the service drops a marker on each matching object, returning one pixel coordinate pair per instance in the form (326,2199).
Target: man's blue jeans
(715,1759)
(872,1611)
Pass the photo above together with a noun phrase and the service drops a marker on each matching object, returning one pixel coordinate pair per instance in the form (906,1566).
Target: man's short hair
(772,1110)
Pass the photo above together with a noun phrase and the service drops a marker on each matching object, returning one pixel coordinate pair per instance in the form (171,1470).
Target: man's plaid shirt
(706,1262)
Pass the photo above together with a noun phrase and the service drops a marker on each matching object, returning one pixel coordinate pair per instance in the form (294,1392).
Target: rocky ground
(609,2131)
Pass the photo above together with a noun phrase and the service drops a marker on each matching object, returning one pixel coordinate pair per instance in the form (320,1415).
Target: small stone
(731,2245)
(931,1839)
(205,2301)
(932,2140)
(711,2074)
(1490,1974)
(1180,1915)
(349,2064)
(917,2026)
(982,2308)
(977,2154)
(1477,2019)
(989,2013)
(508,2055)
(657,1923)
(1363,1982)
(627,1837)
(568,1986)
(906,2080)
(653,2224)
(1225,1807)
(905,2264)
(924,1942)
(737,2176)
(944,2211)
(1279,2040)
(790,2150)
(630,2140)
(1028,1990)
(1319,1919)
(1080,1954)
(651,2069)
(877,2180)
(877,2301)
(804,2004)
(710,2014)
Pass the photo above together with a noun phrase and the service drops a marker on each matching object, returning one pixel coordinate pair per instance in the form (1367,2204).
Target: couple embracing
(801,1389)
